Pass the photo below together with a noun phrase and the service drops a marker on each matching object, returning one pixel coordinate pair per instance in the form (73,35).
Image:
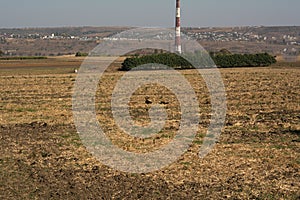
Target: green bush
(244,60)
(200,59)
(169,59)
(24,58)
(81,54)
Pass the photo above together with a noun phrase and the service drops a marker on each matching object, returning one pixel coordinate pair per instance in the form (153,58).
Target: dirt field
(42,157)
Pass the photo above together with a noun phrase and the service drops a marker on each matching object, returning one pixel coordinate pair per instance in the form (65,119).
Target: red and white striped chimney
(178,29)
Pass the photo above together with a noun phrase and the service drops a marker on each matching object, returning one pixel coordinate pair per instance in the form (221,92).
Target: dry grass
(258,156)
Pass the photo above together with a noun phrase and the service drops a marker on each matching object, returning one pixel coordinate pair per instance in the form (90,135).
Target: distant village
(201,36)
(248,37)
(289,41)
(52,36)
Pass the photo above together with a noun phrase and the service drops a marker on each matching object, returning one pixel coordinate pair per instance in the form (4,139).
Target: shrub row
(168,59)
(81,54)
(221,60)
(244,60)
(24,58)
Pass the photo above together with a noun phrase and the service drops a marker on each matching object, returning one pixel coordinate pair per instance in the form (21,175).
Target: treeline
(169,59)
(243,60)
(24,58)
(201,59)
(81,54)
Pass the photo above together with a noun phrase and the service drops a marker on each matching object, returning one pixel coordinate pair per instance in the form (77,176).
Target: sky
(152,13)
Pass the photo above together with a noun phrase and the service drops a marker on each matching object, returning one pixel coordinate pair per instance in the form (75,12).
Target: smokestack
(178,29)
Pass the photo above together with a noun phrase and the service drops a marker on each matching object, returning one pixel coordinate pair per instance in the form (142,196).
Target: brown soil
(42,157)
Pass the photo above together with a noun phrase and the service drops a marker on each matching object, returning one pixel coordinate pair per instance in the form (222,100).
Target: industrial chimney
(178,29)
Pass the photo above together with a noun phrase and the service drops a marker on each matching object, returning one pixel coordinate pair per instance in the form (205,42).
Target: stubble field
(42,156)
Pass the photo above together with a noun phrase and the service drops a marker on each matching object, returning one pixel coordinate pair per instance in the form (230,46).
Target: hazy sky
(158,13)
